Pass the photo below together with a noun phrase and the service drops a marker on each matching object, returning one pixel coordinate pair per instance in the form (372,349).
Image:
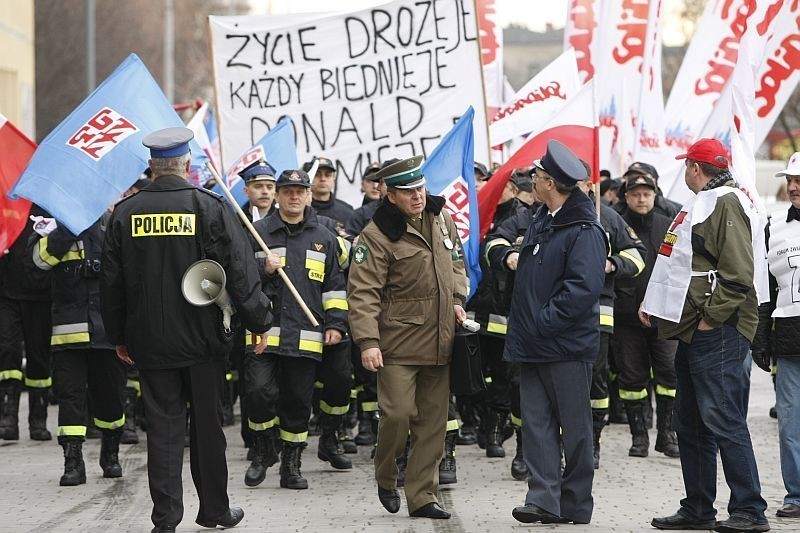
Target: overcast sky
(535,14)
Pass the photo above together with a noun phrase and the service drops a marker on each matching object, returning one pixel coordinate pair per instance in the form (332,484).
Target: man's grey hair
(162,166)
(563,189)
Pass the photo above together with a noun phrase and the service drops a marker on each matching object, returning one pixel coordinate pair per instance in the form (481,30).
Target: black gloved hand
(763,360)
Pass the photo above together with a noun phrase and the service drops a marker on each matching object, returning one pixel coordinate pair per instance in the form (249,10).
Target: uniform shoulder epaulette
(211,193)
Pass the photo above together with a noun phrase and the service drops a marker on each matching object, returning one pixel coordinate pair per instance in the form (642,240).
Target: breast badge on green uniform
(360,253)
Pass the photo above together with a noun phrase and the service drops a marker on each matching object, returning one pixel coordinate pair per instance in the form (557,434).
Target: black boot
(74,468)
(467,435)
(109,453)
(365,436)
(402,462)
(129,435)
(37,414)
(447,467)
(598,423)
(666,441)
(329,449)
(641,441)
(291,478)
(265,454)
(346,435)
(9,409)
(519,470)
(494,437)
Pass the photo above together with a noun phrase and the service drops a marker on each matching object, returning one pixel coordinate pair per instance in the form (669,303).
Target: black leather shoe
(789,510)
(229,519)
(163,529)
(679,521)
(390,499)
(431,510)
(530,514)
(735,524)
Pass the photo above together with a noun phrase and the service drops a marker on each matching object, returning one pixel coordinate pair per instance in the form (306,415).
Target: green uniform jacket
(402,289)
(722,242)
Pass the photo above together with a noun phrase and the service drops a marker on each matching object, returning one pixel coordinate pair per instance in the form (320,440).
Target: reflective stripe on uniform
(315,260)
(319,385)
(46,261)
(261,426)
(634,255)
(38,383)
(601,403)
(71,431)
(369,406)
(632,394)
(452,425)
(606,315)
(10,374)
(102,424)
(344,252)
(293,437)
(310,341)
(70,334)
(664,391)
(495,242)
(334,300)
(228,376)
(353,394)
(488,379)
(273,337)
(516,421)
(134,384)
(497,324)
(329,409)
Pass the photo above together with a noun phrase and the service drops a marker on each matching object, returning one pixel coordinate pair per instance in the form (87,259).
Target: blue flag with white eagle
(449,173)
(96,153)
(276,147)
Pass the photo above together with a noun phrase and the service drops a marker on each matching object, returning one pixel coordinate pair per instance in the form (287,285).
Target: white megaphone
(204,284)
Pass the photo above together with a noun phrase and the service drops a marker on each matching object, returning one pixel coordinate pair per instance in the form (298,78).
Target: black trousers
(365,382)
(280,387)
(103,374)
(28,321)
(335,371)
(498,391)
(516,414)
(599,391)
(636,351)
(165,394)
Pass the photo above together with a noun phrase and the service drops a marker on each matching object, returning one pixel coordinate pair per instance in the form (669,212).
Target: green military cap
(405,174)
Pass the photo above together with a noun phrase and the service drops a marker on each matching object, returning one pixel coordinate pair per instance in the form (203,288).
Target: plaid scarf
(719,181)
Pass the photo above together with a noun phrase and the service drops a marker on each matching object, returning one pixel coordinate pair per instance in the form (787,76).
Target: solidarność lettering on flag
(96,153)
(449,173)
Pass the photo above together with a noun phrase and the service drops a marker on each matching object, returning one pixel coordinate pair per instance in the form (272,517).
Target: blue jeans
(710,415)
(787,396)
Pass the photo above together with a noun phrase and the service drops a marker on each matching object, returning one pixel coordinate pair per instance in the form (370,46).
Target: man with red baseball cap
(703,288)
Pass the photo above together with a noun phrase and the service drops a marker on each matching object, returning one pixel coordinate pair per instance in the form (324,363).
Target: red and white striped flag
(16,149)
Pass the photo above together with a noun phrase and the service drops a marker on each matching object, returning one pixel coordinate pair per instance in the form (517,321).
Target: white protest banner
(649,127)
(361,86)
(580,33)
(619,64)
(779,75)
(702,82)
(542,97)
(491,39)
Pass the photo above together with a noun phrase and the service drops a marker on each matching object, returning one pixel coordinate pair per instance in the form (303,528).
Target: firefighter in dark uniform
(663,205)
(503,239)
(82,352)
(637,349)
(180,349)
(280,378)
(259,186)
(323,193)
(490,306)
(625,260)
(24,315)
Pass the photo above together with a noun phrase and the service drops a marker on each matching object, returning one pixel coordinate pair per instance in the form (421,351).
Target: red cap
(709,151)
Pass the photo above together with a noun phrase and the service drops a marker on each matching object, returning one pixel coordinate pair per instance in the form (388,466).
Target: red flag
(15,152)
(575,126)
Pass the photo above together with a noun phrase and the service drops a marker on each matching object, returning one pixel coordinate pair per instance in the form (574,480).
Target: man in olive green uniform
(406,288)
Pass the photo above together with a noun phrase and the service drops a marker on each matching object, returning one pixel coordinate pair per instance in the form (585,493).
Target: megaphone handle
(263,246)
